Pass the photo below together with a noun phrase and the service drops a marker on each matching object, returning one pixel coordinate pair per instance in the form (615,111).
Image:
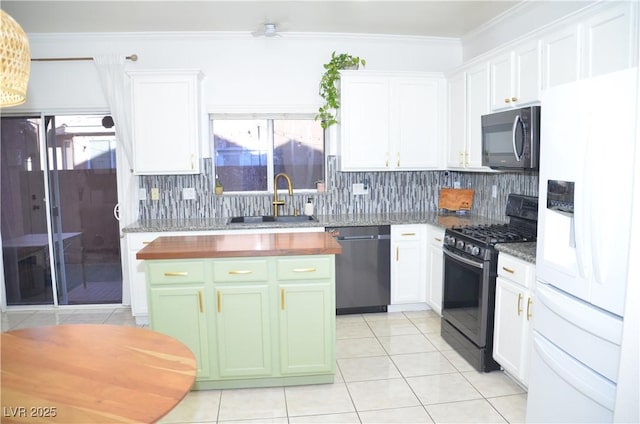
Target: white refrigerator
(587,151)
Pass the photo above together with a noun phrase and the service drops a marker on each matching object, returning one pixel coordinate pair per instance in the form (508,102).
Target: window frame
(270,118)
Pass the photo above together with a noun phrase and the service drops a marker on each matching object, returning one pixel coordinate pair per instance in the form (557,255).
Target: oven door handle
(465,260)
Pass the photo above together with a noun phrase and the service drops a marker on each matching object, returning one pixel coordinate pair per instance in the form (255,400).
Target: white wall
(239,69)
(517,22)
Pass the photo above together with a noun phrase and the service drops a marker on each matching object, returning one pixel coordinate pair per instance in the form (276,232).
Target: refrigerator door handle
(513,137)
(583,379)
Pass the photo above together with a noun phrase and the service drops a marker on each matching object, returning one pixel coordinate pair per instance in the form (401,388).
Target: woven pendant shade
(15,60)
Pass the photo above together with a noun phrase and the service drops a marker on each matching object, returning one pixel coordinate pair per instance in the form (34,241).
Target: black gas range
(469,283)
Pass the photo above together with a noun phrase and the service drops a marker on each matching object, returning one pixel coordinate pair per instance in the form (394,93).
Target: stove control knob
(460,244)
(449,240)
(475,251)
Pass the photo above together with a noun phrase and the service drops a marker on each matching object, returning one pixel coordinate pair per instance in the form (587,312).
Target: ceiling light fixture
(15,62)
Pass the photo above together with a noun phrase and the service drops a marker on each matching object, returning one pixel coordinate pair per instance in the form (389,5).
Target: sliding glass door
(23,216)
(70,253)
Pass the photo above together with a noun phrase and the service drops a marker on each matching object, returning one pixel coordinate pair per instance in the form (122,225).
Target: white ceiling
(444,18)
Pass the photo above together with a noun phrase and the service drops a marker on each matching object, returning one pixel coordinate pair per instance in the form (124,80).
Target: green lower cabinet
(307,328)
(179,312)
(243,331)
(250,322)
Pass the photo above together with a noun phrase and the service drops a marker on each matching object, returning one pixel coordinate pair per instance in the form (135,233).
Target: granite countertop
(444,220)
(241,245)
(525,251)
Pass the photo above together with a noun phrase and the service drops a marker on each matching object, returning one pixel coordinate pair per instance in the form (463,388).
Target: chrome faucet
(280,202)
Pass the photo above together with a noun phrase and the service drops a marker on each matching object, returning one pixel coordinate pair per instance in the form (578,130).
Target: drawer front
(407,232)
(167,272)
(516,270)
(240,270)
(301,268)
(435,235)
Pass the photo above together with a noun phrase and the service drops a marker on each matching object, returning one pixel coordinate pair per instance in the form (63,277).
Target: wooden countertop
(240,245)
(92,373)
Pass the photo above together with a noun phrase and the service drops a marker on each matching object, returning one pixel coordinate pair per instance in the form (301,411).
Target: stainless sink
(270,218)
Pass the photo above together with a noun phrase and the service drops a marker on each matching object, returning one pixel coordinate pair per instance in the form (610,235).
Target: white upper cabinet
(515,77)
(468,100)
(165,120)
(608,40)
(477,105)
(560,57)
(391,121)
(456,123)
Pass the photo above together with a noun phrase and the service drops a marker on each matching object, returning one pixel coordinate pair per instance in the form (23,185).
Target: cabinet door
(456,121)
(243,330)
(307,328)
(180,312)
(416,122)
(436,264)
(477,105)
(165,122)
(501,81)
(560,60)
(509,332)
(608,41)
(526,74)
(364,123)
(408,270)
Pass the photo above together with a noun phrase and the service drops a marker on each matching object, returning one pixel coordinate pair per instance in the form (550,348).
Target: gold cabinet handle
(193,163)
(519,303)
(386,160)
(509,270)
(282,305)
(176,274)
(439,240)
(200,301)
(146,242)
(529,302)
(397,253)
(514,99)
(219,301)
(240,272)
(408,234)
(304,269)
(398,159)
(460,158)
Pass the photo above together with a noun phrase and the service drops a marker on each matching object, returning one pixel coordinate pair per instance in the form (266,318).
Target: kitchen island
(256,310)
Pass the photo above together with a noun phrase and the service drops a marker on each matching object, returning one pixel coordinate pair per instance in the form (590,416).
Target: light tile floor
(391,368)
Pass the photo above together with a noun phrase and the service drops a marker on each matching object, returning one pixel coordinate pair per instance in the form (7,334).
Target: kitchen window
(250,151)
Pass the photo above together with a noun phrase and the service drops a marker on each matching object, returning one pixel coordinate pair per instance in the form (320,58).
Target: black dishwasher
(363,277)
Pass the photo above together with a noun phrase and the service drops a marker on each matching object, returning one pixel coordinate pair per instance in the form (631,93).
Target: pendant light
(15,60)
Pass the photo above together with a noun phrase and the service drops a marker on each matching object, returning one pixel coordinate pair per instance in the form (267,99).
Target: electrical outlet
(155,193)
(456,184)
(494,191)
(360,189)
(188,193)
(142,194)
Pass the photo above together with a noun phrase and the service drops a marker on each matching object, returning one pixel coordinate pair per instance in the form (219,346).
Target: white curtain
(115,85)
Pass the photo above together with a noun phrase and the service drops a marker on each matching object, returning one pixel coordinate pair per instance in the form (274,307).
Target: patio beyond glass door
(83,233)
(25,238)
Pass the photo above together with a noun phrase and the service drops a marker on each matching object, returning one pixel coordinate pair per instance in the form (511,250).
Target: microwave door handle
(513,137)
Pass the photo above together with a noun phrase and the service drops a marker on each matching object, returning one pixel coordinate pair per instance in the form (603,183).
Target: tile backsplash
(389,192)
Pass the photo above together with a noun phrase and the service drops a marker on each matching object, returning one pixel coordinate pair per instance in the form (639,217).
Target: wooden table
(92,374)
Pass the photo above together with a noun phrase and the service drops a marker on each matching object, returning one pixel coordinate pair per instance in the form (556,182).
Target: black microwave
(511,139)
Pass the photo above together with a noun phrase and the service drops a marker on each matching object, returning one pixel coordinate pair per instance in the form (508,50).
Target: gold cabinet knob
(514,99)
(507,100)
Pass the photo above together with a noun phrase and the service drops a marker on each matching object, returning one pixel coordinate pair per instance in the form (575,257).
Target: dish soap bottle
(308,207)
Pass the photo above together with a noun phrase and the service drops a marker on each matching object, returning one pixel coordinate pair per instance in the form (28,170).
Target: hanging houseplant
(329,86)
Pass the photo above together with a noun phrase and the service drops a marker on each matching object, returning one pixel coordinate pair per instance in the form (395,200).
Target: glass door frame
(44,160)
